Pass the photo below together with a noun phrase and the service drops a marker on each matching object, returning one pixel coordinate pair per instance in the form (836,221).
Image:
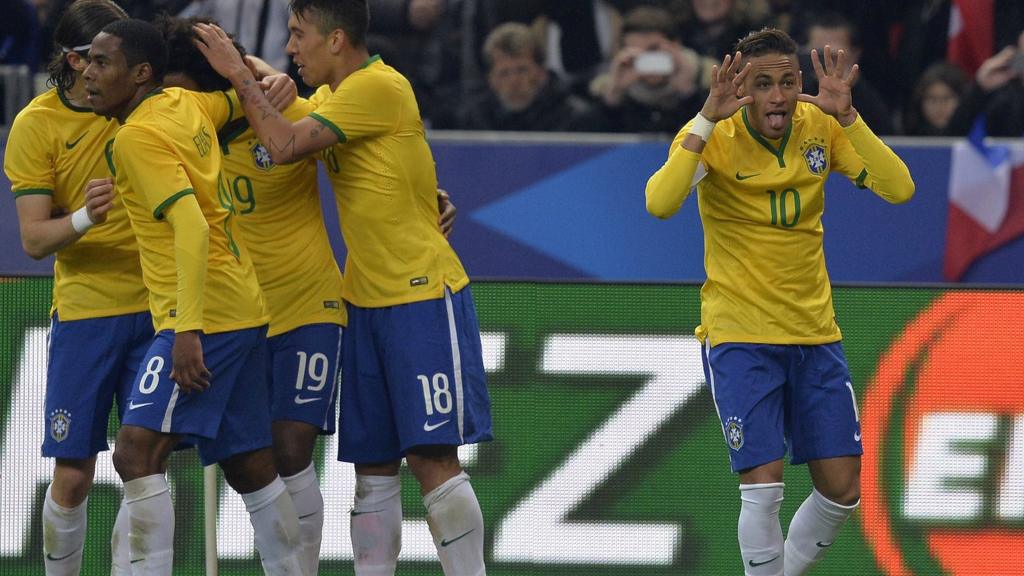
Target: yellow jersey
(279,215)
(56,148)
(385,187)
(761,204)
(166,149)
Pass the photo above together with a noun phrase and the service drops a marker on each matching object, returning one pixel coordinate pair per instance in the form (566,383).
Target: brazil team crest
(816,159)
(260,157)
(60,423)
(734,432)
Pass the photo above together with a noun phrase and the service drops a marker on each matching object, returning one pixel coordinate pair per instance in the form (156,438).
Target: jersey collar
(777,152)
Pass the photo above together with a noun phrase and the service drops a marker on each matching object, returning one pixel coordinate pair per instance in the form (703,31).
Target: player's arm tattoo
(255,102)
(288,147)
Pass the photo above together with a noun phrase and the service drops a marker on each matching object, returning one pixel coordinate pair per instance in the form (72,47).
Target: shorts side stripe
(706,350)
(456,358)
(165,426)
(334,385)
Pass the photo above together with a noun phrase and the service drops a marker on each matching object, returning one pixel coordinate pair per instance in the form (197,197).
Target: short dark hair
(834,21)
(183,57)
(766,41)
(76,28)
(141,42)
(514,39)
(650,19)
(352,16)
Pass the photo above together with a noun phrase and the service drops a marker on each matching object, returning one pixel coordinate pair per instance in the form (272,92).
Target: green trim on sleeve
(33,192)
(341,135)
(108,153)
(861,178)
(231,107)
(159,212)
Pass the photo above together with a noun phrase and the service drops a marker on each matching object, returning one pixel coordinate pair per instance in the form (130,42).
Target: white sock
(120,560)
(276,527)
(376,521)
(151,525)
(63,536)
(760,533)
(457,525)
(812,531)
(304,489)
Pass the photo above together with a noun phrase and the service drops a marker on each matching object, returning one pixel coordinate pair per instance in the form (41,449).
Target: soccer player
(759,153)
(204,372)
(414,384)
(101,324)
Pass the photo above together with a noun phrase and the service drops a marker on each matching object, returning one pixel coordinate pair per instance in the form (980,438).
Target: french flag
(971,33)
(986,200)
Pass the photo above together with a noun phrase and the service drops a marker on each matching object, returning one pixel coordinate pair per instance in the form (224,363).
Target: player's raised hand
(99,199)
(187,367)
(215,44)
(447,219)
(724,99)
(835,85)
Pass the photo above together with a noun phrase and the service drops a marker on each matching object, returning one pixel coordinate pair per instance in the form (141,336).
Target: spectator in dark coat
(523,95)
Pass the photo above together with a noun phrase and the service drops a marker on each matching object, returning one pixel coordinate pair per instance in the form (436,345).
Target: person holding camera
(653,80)
(998,93)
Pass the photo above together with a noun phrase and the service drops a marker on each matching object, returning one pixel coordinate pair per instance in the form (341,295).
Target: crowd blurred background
(928,67)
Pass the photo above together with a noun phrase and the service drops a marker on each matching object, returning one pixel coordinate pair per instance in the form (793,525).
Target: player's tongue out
(776,120)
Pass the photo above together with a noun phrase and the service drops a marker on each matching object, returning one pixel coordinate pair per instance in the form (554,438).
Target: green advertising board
(609,459)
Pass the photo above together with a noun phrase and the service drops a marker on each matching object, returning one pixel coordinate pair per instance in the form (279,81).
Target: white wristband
(702,127)
(80,220)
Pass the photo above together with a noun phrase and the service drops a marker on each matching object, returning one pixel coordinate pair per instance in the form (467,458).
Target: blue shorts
(413,375)
(303,374)
(230,417)
(770,396)
(91,362)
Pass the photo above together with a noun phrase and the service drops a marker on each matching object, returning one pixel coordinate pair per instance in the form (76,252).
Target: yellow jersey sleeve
(221,107)
(364,105)
(860,155)
(28,159)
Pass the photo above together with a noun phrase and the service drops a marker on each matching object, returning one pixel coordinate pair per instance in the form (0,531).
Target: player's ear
(336,40)
(77,62)
(142,73)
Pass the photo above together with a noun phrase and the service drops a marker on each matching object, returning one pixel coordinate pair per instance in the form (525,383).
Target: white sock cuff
(832,509)
(145,487)
(441,491)
(61,510)
(263,497)
(302,480)
(372,490)
(762,493)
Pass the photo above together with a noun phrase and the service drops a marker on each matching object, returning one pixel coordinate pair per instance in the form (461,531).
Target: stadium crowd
(572,65)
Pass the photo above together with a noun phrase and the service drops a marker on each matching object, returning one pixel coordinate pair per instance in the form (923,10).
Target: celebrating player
(204,372)
(101,324)
(413,377)
(759,153)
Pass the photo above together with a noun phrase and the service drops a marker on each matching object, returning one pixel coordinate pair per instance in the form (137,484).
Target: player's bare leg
(453,511)
(376,519)
(271,511)
(64,515)
(293,456)
(759,529)
(140,457)
(814,527)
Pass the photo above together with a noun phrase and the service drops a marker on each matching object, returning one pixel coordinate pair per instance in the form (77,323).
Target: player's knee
(845,494)
(290,463)
(72,480)
(140,452)
(433,465)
